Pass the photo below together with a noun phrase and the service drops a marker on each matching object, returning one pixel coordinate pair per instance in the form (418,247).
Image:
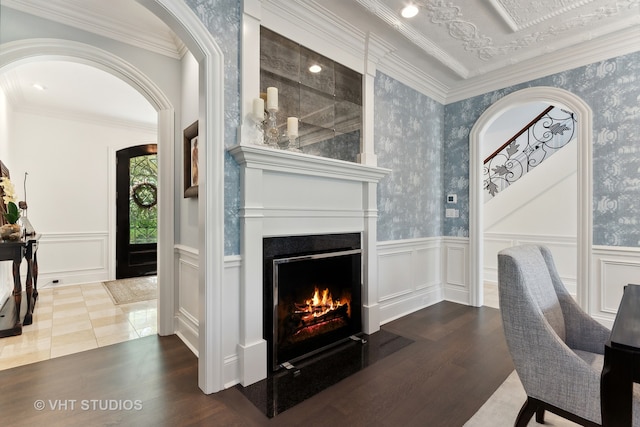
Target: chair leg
(540,415)
(529,408)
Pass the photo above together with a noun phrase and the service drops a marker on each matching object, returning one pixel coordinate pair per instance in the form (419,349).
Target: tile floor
(76,318)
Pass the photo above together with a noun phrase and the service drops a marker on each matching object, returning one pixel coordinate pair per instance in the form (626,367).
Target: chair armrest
(582,331)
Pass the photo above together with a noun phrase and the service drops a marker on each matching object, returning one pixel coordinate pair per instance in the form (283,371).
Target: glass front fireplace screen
(316,303)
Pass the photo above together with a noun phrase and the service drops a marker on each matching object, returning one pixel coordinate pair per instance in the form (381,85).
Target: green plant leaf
(13,214)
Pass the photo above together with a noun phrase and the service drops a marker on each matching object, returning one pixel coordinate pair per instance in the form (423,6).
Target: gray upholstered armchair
(557,349)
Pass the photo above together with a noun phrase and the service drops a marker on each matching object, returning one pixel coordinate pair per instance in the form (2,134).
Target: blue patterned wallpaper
(223,19)
(408,140)
(612,90)
(426,144)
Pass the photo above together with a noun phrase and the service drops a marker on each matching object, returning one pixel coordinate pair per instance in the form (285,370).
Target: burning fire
(321,303)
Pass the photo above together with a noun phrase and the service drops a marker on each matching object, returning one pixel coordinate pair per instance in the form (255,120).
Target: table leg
(616,388)
(17,288)
(35,276)
(28,317)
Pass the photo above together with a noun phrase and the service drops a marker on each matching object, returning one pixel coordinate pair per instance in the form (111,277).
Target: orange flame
(322,302)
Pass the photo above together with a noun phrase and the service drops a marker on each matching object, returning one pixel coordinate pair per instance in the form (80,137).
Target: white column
(252,349)
(250,71)
(370,307)
(375,50)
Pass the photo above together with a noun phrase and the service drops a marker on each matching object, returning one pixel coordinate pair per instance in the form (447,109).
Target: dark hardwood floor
(458,359)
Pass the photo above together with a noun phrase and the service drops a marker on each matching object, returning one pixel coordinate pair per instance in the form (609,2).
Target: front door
(136,211)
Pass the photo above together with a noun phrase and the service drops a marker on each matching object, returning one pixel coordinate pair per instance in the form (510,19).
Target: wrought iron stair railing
(537,141)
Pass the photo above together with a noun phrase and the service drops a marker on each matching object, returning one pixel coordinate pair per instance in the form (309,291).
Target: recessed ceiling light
(315,68)
(409,11)
(38,86)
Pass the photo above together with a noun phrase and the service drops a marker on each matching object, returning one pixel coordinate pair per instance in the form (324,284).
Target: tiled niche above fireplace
(294,194)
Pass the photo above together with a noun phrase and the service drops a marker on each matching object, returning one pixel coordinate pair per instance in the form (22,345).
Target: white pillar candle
(292,126)
(272,98)
(258,108)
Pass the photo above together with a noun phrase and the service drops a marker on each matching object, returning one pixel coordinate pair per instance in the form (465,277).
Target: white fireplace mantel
(262,157)
(287,193)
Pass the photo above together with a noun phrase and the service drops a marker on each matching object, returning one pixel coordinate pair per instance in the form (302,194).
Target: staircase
(551,130)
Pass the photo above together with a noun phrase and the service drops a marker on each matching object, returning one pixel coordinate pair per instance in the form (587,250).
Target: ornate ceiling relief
(445,13)
(386,14)
(522,14)
(519,14)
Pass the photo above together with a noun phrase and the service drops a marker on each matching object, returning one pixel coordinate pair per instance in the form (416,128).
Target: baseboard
(401,306)
(187,330)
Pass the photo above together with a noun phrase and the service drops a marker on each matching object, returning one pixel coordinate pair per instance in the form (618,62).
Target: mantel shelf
(262,157)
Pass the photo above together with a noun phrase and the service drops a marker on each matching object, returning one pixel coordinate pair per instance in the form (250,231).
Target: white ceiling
(474,37)
(450,43)
(75,89)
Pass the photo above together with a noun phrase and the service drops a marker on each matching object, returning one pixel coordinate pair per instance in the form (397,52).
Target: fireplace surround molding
(285,193)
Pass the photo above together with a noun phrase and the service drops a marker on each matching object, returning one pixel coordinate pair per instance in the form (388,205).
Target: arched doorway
(18,52)
(560,98)
(182,20)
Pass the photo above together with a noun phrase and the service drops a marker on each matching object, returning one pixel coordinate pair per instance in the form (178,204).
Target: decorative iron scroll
(552,130)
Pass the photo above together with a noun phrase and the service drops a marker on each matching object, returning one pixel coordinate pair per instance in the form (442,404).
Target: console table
(621,362)
(16,251)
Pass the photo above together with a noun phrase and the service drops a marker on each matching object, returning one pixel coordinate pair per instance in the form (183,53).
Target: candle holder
(271,134)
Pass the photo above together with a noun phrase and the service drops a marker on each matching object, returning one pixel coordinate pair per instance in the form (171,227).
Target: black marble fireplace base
(286,388)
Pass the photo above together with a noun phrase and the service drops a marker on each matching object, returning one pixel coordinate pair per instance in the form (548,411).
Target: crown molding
(90,20)
(332,35)
(379,9)
(412,76)
(316,28)
(608,46)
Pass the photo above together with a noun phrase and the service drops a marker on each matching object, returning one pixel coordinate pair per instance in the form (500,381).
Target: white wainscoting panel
(72,258)
(612,269)
(187,304)
(564,250)
(455,260)
(231,336)
(408,276)
(187,308)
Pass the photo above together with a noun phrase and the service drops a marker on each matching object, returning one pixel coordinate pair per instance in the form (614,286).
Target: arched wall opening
(182,20)
(562,99)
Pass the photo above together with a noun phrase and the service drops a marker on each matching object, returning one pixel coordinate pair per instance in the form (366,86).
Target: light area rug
(135,289)
(504,404)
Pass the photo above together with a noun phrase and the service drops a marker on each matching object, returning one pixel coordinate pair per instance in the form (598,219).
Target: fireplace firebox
(312,294)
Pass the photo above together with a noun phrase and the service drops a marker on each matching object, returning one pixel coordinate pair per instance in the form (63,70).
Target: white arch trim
(183,21)
(584,115)
(21,51)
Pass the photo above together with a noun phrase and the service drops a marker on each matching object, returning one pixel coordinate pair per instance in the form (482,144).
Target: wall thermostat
(452,198)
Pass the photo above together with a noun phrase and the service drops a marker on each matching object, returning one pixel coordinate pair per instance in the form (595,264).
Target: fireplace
(313,294)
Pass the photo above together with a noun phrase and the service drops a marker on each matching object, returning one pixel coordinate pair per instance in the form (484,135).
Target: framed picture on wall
(191,160)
